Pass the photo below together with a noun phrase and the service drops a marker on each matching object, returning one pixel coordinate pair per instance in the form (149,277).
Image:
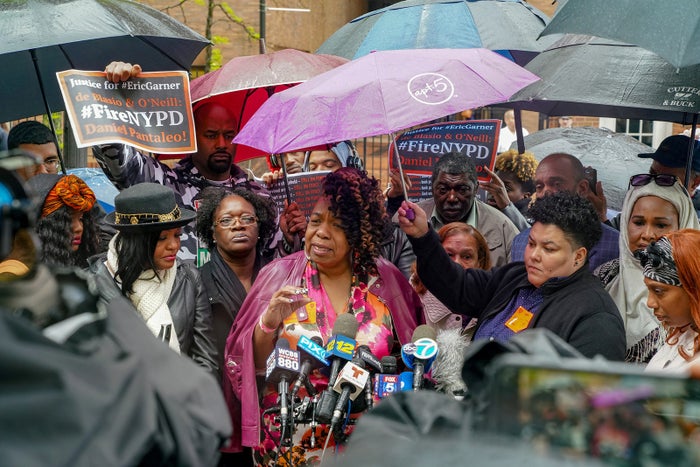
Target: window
(643,130)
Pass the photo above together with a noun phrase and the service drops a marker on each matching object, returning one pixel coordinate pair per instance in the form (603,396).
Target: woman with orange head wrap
(64,225)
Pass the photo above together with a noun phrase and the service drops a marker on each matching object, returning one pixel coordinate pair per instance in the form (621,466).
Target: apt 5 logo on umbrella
(431,88)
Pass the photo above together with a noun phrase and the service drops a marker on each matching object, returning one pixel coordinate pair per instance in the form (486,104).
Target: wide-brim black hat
(148,206)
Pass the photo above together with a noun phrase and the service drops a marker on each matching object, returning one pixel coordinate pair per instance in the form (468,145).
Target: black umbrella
(584,75)
(668,28)
(41,37)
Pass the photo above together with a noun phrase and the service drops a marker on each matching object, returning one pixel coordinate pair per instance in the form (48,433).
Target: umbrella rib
(182,66)
(65,55)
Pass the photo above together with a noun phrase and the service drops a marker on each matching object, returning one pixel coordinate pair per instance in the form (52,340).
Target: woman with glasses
(142,265)
(654,205)
(671,268)
(235,225)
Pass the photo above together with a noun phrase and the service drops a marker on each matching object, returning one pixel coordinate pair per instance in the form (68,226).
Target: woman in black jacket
(552,288)
(141,261)
(235,225)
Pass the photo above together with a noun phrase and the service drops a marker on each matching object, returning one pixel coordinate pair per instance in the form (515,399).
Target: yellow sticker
(306,314)
(519,320)
(291,319)
(310,312)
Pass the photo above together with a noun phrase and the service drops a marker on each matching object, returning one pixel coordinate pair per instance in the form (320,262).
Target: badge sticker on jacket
(519,320)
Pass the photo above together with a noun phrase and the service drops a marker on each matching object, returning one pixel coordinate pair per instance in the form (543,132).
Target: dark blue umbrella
(510,27)
(41,37)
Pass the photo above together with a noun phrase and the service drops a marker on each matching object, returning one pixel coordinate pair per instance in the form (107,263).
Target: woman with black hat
(142,262)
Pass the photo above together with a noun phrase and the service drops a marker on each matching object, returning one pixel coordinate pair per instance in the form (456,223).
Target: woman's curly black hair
(573,214)
(209,200)
(54,231)
(356,200)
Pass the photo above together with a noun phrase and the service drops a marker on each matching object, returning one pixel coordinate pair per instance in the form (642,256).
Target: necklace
(325,313)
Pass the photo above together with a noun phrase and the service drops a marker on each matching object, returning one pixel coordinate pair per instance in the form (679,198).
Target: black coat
(225,294)
(189,309)
(577,309)
(106,393)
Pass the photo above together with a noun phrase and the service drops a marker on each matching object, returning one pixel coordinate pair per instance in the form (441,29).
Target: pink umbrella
(382,93)
(244,83)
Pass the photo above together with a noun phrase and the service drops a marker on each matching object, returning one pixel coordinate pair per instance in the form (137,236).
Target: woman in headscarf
(65,224)
(671,268)
(653,206)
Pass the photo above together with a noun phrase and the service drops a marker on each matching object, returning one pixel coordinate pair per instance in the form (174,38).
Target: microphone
(447,369)
(406,381)
(389,364)
(365,354)
(341,345)
(282,365)
(350,383)
(387,382)
(420,353)
(374,365)
(313,355)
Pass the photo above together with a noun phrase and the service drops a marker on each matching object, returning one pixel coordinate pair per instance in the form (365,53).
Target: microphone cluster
(357,378)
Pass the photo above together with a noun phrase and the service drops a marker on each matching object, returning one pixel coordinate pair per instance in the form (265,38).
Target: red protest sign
(152,112)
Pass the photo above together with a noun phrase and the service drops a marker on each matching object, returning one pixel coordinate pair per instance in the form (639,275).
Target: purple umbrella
(382,93)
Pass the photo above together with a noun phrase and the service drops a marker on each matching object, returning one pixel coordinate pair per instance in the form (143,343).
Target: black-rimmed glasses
(245,220)
(659,179)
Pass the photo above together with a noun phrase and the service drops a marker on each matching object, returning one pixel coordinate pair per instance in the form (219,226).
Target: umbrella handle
(519,137)
(284,178)
(410,215)
(691,149)
(35,60)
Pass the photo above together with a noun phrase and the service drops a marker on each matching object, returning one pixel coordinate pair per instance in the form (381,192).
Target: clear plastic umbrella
(613,155)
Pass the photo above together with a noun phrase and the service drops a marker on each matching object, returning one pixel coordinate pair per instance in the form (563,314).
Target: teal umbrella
(509,27)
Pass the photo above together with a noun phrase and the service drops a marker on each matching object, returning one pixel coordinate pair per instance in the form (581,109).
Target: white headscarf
(627,288)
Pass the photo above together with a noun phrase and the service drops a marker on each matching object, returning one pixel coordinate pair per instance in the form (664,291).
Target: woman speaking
(338,273)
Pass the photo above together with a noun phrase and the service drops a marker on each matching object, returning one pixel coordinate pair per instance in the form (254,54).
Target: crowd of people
(357,272)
